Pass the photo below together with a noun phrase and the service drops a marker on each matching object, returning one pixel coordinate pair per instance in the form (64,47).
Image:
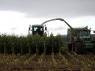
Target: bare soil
(59,62)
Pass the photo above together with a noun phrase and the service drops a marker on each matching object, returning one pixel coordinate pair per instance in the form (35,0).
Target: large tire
(70,47)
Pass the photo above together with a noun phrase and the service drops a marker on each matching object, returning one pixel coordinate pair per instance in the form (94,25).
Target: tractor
(83,42)
(78,38)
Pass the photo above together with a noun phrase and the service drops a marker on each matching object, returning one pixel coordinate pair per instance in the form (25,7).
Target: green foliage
(30,44)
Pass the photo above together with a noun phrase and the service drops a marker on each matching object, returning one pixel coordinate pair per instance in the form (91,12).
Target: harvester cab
(37,30)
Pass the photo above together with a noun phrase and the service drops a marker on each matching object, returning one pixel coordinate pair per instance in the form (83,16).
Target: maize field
(30,44)
(35,53)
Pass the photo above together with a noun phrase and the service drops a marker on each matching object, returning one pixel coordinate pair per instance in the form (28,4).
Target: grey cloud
(50,8)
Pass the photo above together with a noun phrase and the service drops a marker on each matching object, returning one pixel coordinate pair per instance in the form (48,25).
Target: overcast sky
(17,15)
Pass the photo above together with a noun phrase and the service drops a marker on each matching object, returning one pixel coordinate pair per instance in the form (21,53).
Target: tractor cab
(82,33)
(84,36)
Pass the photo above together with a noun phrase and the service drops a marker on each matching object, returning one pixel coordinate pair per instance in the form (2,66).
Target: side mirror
(45,28)
(93,31)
